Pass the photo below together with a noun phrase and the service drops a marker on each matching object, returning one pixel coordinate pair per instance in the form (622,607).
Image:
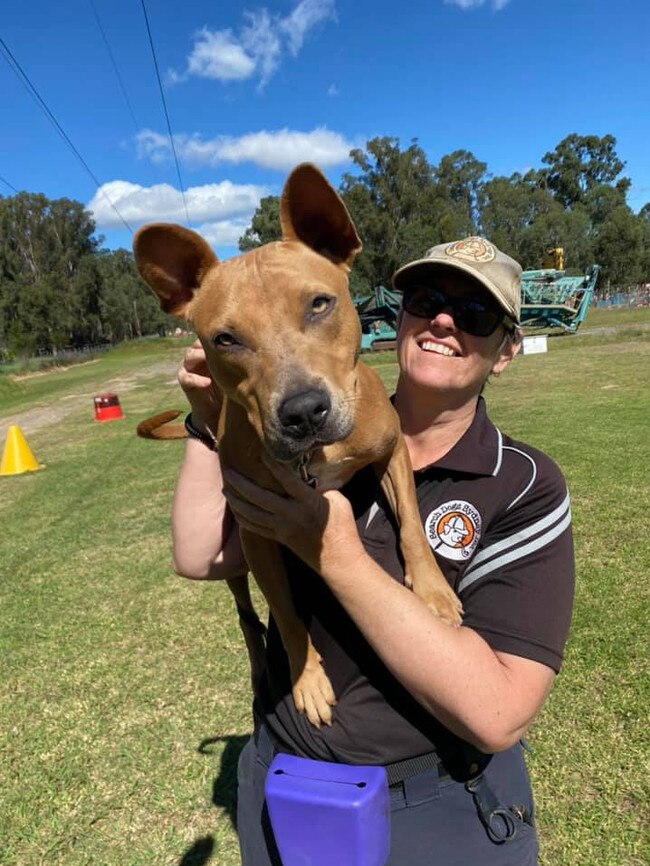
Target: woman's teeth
(438,348)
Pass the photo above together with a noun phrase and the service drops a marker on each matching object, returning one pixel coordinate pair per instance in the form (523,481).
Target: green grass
(124,698)
(603,317)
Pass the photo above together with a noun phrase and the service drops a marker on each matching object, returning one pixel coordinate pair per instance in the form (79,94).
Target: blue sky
(253,89)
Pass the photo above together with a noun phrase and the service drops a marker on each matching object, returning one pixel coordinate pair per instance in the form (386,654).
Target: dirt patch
(45,416)
(20,377)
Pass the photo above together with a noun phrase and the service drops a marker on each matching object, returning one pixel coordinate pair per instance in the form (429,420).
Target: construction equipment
(554,258)
(551,299)
(378,315)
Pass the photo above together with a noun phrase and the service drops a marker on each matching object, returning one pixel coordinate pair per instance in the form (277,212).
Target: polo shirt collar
(478,451)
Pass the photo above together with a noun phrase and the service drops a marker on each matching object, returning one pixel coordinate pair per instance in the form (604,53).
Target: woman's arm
(204,534)
(486,697)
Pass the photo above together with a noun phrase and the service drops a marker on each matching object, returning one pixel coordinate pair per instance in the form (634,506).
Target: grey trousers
(434,822)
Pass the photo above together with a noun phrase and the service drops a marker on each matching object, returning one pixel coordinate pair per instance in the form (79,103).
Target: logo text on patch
(454,529)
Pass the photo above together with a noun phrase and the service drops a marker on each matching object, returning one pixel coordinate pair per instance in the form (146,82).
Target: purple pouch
(324,813)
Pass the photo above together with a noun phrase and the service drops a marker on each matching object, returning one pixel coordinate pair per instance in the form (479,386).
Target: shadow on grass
(224,787)
(224,793)
(199,853)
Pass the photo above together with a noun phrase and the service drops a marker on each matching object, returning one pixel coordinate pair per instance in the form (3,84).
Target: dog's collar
(303,464)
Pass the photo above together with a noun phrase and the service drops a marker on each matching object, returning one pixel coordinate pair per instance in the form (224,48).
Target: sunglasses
(475,317)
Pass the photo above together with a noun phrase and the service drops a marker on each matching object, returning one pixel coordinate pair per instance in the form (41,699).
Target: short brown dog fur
(282,338)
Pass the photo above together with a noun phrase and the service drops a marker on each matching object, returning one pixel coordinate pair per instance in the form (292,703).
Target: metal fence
(64,355)
(631,298)
(41,359)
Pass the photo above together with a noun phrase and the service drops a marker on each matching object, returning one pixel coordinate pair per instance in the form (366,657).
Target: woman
(496,513)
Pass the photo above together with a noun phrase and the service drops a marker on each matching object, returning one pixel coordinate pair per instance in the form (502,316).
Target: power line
(24,79)
(114,64)
(162,97)
(6,182)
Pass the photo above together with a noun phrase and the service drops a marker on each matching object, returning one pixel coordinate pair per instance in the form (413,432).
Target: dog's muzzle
(306,420)
(302,416)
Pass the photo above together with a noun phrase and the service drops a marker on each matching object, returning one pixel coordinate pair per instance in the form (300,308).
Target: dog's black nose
(304,414)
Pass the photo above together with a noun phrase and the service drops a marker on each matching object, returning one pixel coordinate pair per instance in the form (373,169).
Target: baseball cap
(477,258)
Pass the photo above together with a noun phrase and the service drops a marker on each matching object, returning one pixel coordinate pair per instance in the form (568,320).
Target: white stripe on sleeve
(541,541)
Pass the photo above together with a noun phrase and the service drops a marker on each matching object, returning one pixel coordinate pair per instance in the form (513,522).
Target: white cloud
(305,17)
(227,206)
(258,47)
(262,42)
(475,4)
(219,55)
(224,233)
(280,150)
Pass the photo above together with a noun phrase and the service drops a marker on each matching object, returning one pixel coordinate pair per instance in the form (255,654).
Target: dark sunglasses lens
(472,316)
(478,319)
(423,302)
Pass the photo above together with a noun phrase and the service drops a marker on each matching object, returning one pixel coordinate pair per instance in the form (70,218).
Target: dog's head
(278,324)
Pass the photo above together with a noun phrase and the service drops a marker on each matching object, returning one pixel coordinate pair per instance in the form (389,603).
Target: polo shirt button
(473,769)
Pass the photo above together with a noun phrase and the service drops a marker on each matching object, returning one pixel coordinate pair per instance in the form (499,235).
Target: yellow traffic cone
(17,456)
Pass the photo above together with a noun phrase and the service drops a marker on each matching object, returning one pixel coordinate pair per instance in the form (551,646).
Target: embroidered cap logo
(472,250)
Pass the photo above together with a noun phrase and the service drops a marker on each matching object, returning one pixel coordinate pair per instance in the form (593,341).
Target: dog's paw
(314,696)
(445,604)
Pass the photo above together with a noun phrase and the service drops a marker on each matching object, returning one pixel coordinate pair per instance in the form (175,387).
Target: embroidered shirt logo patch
(472,250)
(454,529)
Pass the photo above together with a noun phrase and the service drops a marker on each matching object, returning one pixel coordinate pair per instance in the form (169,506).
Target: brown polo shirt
(496,513)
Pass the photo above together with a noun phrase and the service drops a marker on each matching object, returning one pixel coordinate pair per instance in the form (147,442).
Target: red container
(107,407)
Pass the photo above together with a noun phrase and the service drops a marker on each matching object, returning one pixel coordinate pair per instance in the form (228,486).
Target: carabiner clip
(498,821)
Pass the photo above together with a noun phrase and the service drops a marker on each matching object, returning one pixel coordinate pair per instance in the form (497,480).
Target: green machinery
(378,315)
(551,299)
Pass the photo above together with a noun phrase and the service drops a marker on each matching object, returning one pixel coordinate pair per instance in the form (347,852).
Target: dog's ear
(173,261)
(311,211)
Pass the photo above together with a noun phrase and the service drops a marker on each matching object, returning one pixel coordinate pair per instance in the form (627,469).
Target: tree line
(60,289)
(401,205)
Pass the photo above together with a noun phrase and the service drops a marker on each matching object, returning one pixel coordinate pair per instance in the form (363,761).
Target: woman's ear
(507,350)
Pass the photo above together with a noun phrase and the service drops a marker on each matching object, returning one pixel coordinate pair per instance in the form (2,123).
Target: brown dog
(281,338)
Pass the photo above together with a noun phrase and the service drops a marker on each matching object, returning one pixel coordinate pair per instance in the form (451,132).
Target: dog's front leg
(312,691)
(421,571)
(252,627)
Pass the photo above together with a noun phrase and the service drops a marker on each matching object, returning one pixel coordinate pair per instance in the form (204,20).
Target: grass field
(124,694)
(598,317)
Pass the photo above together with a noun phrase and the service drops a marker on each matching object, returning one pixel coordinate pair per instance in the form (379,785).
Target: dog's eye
(320,305)
(224,339)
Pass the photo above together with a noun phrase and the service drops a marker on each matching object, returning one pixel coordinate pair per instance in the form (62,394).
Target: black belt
(402,770)
(397,772)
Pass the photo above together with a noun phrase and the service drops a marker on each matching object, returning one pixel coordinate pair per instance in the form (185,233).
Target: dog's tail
(158,427)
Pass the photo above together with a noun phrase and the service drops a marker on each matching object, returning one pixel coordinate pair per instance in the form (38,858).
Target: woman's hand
(203,395)
(318,527)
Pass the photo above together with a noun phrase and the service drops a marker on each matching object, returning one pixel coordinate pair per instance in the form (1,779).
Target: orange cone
(17,456)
